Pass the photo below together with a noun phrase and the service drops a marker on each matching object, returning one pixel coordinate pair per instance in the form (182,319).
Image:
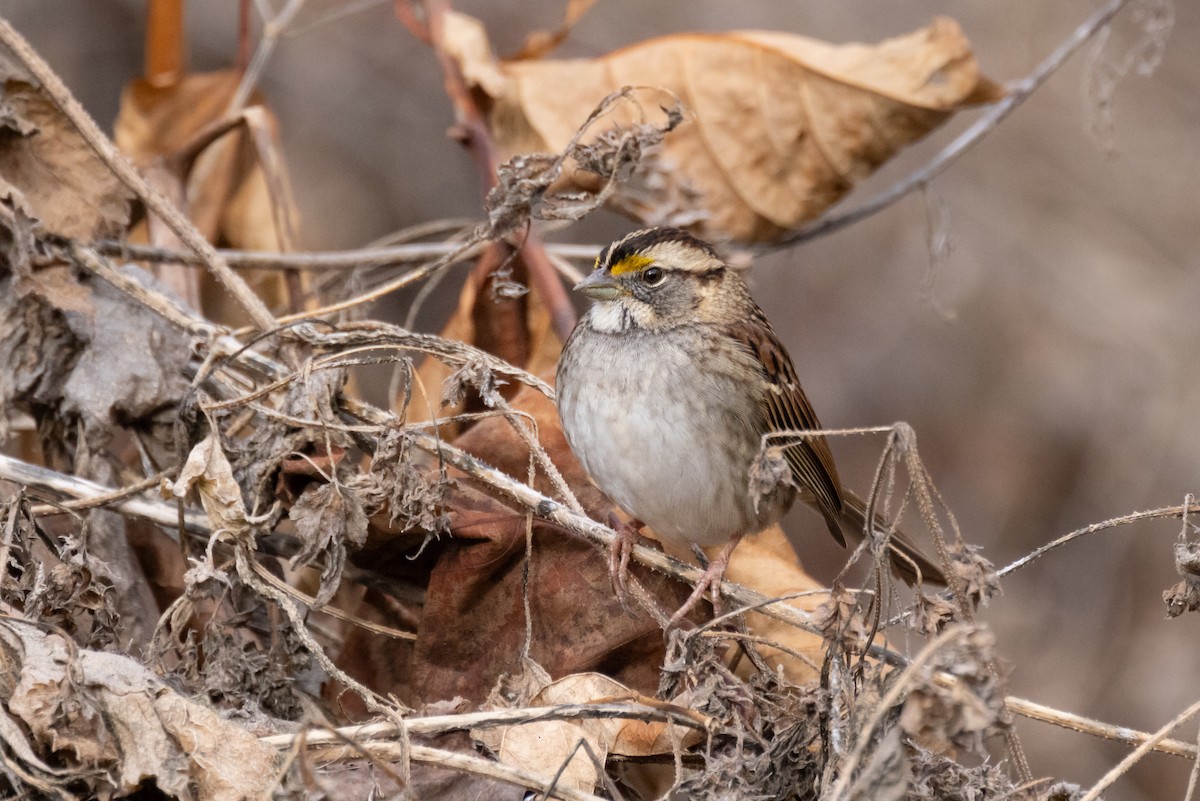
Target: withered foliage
(312,560)
(1185,596)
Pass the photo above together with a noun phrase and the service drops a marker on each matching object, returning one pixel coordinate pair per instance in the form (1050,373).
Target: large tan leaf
(544,747)
(233,186)
(779,127)
(51,172)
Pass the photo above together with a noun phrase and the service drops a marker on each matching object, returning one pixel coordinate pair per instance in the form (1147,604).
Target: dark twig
(472,129)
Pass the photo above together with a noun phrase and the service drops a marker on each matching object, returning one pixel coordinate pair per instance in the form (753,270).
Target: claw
(619,553)
(710,581)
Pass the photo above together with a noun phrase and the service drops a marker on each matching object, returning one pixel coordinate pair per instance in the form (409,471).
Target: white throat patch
(610,317)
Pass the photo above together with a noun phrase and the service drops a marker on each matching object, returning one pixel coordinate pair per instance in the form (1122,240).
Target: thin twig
(1017,95)
(437,724)
(1125,520)
(164,514)
(329,260)
(83,504)
(482,767)
(1096,728)
(463,252)
(127,174)
(272,29)
(1125,764)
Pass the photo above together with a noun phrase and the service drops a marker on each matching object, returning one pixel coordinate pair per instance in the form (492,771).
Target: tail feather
(907,559)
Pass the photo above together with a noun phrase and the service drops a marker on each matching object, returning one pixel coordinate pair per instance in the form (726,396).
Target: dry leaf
(51,172)
(235,189)
(208,471)
(85,710)
(768,564)
(555,747)
(545,746)
(329,518)
(780,125)
(616,735)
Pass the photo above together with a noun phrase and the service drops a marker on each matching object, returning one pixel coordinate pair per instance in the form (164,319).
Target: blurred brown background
(1048,367)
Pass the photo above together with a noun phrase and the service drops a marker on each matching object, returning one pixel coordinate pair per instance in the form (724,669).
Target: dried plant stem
(1125,764)
(1193,777)
(273,27)
(463,252)
(30,475)
(1107,731)
(121,167)
(82,504)
(332,260)
(1151,514)
(865,735)
(479,766)
(157,302)
(1017,95)
(436,724)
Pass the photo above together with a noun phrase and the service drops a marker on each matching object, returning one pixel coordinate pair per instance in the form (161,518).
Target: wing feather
(786,408)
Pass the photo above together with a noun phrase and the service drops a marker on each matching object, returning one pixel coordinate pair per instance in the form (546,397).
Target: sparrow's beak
(599,285)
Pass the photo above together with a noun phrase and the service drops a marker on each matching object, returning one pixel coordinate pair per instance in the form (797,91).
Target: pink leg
(711,580)
(619,552)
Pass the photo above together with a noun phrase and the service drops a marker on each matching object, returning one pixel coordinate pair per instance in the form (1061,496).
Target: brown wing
(787,409)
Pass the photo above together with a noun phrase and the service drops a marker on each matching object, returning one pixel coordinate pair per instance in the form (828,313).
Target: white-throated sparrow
(666,389)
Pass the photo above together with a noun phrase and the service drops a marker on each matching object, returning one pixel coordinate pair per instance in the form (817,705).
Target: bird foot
(619,552)
(709,581)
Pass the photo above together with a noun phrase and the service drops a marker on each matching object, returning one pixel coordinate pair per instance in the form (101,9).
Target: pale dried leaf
(85,709)
(547,747)
(207,470)
(780,126)
(235,190)
(465,40)
(60,179)
(614,735)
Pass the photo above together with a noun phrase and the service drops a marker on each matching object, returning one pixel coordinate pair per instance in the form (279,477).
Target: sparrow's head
(659,278)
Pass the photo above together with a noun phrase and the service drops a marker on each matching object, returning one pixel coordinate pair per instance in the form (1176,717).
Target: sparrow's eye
(653,276)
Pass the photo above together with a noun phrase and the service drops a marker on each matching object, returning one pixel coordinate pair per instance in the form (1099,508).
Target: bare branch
(1018,94)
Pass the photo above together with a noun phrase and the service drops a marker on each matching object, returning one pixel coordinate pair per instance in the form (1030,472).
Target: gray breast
(669,438)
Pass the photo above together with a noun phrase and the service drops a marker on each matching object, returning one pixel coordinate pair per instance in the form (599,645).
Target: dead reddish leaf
(52,174)
(780,125)
(471,626)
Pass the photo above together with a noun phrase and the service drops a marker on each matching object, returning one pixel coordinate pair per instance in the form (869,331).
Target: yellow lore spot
(631,264)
